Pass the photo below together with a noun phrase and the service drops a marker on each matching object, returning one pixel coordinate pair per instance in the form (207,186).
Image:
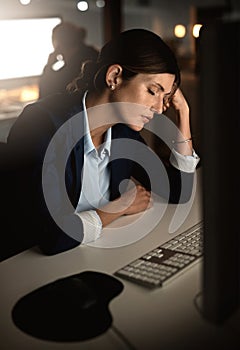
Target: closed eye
(151,92)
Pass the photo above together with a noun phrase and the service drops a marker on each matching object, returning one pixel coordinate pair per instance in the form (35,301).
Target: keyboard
(158,266)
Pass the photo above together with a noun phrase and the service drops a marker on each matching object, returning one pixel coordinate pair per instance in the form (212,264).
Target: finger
(141,189)
(150,204)
(166,106)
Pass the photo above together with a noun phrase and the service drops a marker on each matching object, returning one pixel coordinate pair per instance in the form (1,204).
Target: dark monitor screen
(220,117)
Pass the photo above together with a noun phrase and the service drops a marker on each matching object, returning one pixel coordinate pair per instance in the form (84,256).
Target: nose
(157,107)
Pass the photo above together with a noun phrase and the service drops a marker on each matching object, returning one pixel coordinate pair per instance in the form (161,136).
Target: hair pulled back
(137,51)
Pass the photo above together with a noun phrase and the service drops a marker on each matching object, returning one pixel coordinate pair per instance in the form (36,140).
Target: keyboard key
(157,266)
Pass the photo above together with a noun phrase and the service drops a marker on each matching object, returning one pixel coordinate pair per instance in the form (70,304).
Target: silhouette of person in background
(64,63)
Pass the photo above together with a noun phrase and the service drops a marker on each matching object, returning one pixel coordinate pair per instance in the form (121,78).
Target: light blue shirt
(95,176)
(95,181)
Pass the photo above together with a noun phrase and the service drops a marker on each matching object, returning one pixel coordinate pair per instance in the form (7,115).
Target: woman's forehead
(161,80)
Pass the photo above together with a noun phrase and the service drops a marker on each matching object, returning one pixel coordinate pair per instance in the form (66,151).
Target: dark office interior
(199,309)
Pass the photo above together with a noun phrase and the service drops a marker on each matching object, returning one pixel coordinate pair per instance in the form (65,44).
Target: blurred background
(26,40)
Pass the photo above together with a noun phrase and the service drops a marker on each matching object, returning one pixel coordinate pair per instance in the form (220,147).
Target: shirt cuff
(92,225)
(184,163)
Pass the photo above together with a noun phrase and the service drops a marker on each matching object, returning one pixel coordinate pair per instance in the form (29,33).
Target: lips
(146,118)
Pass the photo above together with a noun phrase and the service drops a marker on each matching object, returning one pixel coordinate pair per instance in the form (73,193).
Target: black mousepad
(57,312)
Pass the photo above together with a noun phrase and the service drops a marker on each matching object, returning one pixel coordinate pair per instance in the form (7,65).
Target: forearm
(112,211)
(183,141)
(133,201)
(183,138)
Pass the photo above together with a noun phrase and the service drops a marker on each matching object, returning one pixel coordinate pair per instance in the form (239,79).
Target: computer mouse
(72,308)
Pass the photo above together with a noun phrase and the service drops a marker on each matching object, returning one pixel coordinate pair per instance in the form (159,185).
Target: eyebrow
(158,85)
(161,88)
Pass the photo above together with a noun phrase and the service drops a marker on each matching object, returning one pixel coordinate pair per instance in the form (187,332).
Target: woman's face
(143,95)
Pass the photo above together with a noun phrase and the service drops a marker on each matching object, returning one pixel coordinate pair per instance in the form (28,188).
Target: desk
(165,318)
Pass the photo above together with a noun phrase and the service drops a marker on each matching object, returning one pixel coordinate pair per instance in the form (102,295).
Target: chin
(135,127)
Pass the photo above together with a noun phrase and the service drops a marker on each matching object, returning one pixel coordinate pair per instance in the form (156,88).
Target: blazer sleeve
(28,140)
(133,157)
(161,177)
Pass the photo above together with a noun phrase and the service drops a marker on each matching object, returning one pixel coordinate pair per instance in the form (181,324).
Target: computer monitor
(25,46)
(220,119)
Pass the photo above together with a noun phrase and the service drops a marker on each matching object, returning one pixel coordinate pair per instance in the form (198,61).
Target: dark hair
(137,51)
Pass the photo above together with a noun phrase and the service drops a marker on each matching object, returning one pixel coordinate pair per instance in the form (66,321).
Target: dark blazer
(28,141)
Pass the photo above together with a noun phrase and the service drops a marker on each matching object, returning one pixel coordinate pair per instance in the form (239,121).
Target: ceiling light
(82,5)
(180,31)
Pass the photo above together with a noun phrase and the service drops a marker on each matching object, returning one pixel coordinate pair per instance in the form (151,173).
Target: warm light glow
(25,46)
(100,3)
(23,94)
(25,2)
(82,5)
(29,94)
(180,31)
(196,30)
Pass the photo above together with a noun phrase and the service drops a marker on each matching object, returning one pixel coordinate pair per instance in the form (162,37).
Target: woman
(136,77)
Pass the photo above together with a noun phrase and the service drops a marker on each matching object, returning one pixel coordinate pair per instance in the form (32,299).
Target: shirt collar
(88,144)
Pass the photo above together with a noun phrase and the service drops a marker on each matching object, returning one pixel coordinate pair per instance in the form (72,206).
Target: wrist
(110,212)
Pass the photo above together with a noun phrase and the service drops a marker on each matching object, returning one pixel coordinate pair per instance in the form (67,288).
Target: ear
(114,76)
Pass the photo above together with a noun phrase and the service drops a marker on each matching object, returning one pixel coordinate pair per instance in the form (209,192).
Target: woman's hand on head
(177,101)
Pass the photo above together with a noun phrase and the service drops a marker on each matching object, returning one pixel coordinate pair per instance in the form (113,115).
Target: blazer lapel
(78,152)
(75,162)
(120,168)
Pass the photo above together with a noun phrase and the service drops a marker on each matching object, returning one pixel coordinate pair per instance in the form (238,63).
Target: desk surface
(166,318)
